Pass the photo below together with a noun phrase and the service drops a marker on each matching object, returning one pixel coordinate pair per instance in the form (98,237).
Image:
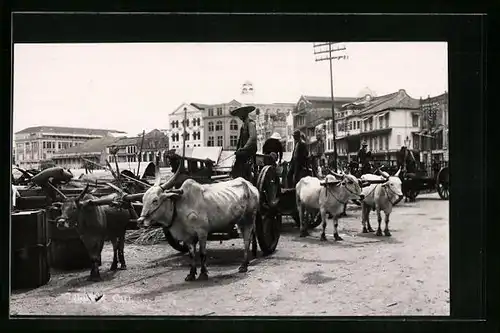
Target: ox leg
(203,258)
(93,245)
(121,252)
(247,231)
(364,209)
(379,219)
(335,228)
(323,225)
(114,264)
(254,244)
(386,230)
(369,226)
(192,255)
(303,225)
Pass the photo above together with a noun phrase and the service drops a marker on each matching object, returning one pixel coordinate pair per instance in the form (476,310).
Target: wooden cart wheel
(268,224)
(269,187)
(181,247)
(443,183)
(267,231)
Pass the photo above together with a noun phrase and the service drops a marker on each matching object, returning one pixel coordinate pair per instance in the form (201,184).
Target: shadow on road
(314,239)
(216,280)
(216,257)
(77,282)
(378,239)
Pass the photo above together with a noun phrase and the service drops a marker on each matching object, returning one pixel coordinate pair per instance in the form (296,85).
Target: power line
(326,48)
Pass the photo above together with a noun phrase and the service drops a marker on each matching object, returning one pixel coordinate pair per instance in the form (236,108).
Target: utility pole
(330,57)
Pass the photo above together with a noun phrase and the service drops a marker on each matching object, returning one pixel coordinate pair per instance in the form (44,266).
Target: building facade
(385,122)
(36,144)
(432,140)
(94,150)
(154,147)
(194,126)
(221,129)
(311,111)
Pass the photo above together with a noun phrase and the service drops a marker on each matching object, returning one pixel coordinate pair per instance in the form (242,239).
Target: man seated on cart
(247,144)
(406,161)
(364,159)
(273,145)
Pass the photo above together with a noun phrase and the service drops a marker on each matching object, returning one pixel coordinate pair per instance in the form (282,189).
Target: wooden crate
(29,249)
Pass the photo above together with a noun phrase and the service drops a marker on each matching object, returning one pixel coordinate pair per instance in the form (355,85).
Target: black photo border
(466,37)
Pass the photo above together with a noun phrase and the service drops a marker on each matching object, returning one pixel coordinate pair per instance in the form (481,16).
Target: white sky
(132,87)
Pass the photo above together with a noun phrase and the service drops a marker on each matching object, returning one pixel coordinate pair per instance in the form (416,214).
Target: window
(371,124)
(187,122)
(381,143)
(210,126)
(220,141)
(44,144)
(358,124)
(233,140)
(211,112)
(386,142)
(414,120)
(187,136)
(218,125)
(350,125)
(219,111)
(210,142)
(398,140)
(198,122)
(380,122)
(233,125)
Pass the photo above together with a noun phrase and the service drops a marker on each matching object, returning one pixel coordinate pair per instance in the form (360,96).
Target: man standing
(363,159)
(247,144)
(298,164)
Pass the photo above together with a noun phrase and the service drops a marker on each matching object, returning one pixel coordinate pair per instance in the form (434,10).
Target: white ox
(195,210)
(328,196)
(380,197)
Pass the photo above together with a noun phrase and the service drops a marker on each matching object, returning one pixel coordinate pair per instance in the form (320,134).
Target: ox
(378,197)
(328,196)
(195,210)
(95,223)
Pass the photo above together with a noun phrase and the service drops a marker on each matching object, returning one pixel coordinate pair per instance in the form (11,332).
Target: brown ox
(94,224)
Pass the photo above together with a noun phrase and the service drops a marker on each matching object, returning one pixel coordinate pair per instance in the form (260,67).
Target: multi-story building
(154,145)
(194,126)
(221,129)
(433,137)
(385,122)
(36,144)
(311,111)
(94,150)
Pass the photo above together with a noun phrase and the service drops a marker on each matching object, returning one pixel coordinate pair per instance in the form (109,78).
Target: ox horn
(397,173)
(384,174)
(80,196)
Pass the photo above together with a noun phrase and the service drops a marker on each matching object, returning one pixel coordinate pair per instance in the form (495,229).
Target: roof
(397,100)
(200,106)
(329,99)
(73,130)
(90,146)
(125,141)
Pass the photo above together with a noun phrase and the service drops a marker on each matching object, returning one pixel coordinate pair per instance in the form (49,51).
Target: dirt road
(406,274)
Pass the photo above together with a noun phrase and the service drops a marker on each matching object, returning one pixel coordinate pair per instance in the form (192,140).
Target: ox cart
(435,178)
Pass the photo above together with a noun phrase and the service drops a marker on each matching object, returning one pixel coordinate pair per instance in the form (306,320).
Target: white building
(194,127)
(36,144)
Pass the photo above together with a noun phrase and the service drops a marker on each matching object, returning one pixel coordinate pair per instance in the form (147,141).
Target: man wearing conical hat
(247,144)
(273,145)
